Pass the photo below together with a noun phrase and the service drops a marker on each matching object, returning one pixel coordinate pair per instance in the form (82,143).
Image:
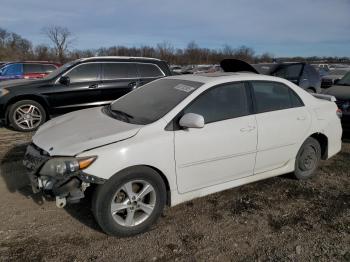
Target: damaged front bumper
(67,188)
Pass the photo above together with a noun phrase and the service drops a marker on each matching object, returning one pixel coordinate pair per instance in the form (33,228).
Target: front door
(82,91)
(225,148)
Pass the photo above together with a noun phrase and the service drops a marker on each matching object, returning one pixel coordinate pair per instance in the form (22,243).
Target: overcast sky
(281,27)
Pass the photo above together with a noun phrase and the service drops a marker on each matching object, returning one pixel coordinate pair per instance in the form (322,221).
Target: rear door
(82,91)
(148,72)
(283,122)
(118,78)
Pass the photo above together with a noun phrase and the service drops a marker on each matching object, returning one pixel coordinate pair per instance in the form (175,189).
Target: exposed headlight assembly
(4,92)
(61,166)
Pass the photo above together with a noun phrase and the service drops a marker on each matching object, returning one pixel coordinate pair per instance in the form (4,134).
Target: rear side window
(13,69)
(290,72)
(48,68)
(221,102)
(149,70)
(272,96)
(32,68)
(84,73)
(119,70)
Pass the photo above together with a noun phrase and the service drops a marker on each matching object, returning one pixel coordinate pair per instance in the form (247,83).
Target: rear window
(119,70)
(149,70)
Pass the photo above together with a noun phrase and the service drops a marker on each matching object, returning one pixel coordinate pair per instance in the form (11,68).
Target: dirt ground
(279,219)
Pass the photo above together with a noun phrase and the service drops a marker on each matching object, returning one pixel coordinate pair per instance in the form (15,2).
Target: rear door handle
(247,129)
(301,118)
(93,86)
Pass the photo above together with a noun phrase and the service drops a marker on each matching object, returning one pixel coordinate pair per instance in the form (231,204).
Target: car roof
(119,57)
(223,77)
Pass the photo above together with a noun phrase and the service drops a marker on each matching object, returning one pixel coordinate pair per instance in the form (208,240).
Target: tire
(307,159)
(116,194)
(26,115)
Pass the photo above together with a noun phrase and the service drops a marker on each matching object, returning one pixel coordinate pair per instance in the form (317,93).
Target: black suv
(79,84)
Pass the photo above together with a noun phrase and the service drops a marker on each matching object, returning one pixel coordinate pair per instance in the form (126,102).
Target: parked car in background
(78,84)
(26,70)
(341,90)
(180,138)
(301,74)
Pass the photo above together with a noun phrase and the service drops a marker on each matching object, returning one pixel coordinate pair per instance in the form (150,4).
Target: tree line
(14,47)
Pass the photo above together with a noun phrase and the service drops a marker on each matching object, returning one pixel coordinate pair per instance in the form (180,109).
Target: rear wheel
(307,159)
(130,202)
(26,115)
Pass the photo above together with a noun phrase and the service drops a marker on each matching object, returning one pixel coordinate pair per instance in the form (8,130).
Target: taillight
(339,113)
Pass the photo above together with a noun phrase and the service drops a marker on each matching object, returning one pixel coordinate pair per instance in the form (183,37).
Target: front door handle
(132,85)
(301,118)
(93,86)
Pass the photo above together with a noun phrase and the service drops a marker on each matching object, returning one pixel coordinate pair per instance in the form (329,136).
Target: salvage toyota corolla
(179,138)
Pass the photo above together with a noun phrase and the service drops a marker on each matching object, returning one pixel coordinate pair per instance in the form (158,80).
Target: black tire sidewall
(13,108)
(300,174)
(103,194)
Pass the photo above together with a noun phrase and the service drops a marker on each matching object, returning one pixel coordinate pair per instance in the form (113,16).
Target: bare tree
(61,38)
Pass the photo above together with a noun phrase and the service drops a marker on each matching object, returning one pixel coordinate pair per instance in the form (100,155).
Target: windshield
(345,80)
(61,69)
(152,101)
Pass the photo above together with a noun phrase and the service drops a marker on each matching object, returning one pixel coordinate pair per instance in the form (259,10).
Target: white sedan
(180,138)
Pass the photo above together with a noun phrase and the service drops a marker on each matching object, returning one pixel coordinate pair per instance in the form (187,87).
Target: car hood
(339,91)
(73,133)
(22,83)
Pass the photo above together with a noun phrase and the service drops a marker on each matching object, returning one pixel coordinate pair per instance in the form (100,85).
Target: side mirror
(191,120)
(64,80)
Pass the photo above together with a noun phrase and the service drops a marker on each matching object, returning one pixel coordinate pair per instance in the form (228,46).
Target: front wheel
(26,115)
(130,202)
(307,159)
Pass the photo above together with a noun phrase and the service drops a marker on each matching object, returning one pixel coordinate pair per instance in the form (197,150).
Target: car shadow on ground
(16,180)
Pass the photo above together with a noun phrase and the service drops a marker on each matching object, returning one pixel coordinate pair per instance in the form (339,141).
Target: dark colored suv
(26,70)
(76,85)
(301,74)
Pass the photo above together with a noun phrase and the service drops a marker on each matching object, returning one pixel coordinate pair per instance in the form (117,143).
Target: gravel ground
(279,219)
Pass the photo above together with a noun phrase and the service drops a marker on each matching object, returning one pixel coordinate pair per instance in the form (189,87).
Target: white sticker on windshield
(184,88)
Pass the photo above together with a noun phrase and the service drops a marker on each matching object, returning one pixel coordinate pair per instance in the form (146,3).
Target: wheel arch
(159,172)
(35,98)
(322,139)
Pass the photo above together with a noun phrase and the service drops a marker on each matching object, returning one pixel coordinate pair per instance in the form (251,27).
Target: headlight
(61,166)
(4,92)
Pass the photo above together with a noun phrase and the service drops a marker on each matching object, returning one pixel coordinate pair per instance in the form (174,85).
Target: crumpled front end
(60,177)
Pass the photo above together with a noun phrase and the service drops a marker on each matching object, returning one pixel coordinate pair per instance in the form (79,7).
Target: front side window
(149,70)
(13,69)
(84,73)
(119,70)
(272,96)
(152,101)
(221,102)
(48,68)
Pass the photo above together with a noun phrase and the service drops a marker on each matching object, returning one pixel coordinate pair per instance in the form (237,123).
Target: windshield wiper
(119,114)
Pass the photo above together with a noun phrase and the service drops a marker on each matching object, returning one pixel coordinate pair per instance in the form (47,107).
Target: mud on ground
(279,219)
